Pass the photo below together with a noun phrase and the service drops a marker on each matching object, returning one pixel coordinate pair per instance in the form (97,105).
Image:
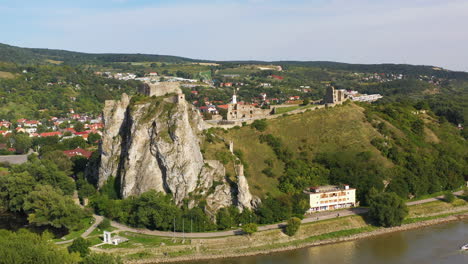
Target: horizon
(361,32)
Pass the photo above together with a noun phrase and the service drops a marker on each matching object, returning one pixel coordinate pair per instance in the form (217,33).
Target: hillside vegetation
(362,145)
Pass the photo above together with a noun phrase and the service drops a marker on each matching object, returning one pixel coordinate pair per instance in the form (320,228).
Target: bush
(268,172)
(292,227)
(388,209)
(250,228)
(81,246)
(105,224)
(449,197)
(260,124)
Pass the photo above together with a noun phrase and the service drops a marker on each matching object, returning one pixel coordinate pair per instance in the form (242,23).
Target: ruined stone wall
(245,112)
(160,88)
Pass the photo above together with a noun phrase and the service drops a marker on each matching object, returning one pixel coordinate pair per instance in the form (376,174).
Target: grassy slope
(325,130)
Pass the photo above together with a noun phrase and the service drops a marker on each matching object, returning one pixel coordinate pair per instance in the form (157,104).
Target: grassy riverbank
(158,249)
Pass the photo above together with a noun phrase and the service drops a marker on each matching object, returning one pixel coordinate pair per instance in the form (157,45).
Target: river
(434,244)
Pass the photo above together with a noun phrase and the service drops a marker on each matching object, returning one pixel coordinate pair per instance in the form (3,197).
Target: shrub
(292,226)
(268,172)
(105,224)
(388,209)
(260,124)
(81,246)
(250,228)
(449,197)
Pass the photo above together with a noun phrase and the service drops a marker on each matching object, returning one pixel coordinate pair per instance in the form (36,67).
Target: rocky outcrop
(152,143)
(110,148)
(245,200)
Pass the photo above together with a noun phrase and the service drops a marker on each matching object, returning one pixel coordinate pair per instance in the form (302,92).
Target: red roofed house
(78,152)
(31,123)
(83,134)
(226,84)
(5,124)
(50,134)
(223,106)
(277,77)
(95,126)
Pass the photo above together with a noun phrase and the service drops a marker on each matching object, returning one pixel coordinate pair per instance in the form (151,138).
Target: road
(308,219)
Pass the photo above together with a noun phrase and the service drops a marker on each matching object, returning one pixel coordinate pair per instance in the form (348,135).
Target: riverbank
(336,230)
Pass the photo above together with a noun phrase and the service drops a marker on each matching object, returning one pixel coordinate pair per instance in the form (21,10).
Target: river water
(433,244)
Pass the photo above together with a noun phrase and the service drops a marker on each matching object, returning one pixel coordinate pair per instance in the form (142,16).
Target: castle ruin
(333,96)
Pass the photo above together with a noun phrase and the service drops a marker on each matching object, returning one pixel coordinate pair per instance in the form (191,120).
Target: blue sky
(426,32)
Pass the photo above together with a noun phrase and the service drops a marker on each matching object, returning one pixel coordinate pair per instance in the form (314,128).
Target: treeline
(397,87)
(40,56)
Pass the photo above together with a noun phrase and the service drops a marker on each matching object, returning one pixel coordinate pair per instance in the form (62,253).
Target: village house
(330,197)
(209,109)
(78,152)
(50,134)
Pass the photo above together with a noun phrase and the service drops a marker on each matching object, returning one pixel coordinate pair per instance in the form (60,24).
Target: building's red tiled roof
(223,106)
(78,152)
(277,77)
(50,134)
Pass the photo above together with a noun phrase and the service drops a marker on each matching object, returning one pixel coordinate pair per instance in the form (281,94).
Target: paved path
(97,220)
(308,219)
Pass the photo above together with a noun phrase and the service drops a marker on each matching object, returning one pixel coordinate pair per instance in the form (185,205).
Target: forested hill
(405,69)
(39,56)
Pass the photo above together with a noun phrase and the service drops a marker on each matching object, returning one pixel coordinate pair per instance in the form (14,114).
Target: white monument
(107,237)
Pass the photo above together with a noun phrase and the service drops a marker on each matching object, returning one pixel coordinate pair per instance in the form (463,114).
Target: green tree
(224,219)
(81,246)
(22,143)
(93,138)
(260,124)
(306,101)
(62,161)
(14,187)
(105,224)
(388,209)
(47,206)
(79,127)
(292,226)
(250,228)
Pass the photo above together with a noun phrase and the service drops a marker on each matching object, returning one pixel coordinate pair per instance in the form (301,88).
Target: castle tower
(234,98)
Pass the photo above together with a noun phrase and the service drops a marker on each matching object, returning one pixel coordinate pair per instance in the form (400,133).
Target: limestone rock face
(245,200)
(153,144)
(114,115)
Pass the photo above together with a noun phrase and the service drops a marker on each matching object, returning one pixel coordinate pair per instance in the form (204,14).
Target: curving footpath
(97,220)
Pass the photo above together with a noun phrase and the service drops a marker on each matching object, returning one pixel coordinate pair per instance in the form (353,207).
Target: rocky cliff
(153,143)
